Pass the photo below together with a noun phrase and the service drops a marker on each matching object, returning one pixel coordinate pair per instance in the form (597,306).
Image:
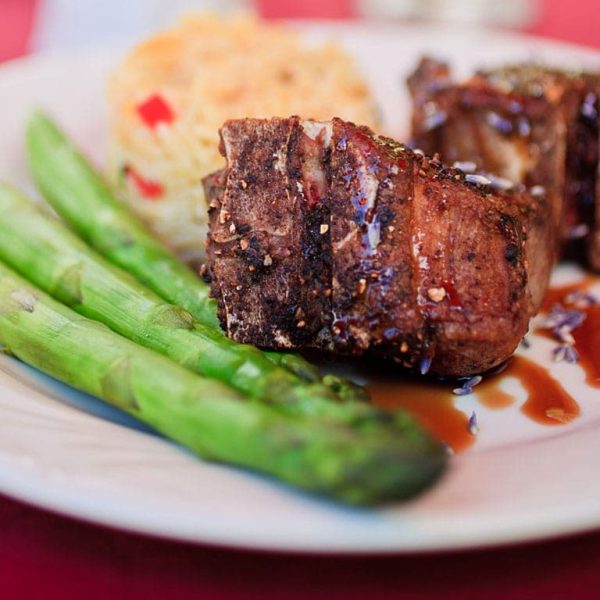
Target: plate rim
(85,507)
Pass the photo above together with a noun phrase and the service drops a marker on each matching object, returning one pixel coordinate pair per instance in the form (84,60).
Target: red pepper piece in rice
(155,110)
(148,189)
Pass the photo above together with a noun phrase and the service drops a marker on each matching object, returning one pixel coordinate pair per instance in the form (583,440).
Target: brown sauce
(491,395)
(587,336)
(433,403)
(587,344)
(430,402)
(547,403)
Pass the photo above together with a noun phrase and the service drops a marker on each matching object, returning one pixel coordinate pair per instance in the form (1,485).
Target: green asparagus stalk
(85,201)
(205,415)
(43,250)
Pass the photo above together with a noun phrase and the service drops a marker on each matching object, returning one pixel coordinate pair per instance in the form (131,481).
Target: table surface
(42,554)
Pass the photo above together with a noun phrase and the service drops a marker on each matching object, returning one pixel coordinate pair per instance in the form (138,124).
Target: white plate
(65,451)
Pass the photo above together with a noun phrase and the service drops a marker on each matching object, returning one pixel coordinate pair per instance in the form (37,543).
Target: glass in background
(68,24)
(506,13)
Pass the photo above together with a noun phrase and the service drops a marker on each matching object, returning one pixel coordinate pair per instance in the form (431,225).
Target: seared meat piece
(325,235)
(528,124)
(268,293)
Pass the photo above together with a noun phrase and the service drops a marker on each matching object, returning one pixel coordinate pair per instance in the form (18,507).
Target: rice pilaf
(171,94)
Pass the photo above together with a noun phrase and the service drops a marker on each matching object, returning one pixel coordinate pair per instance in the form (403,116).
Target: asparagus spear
(205,415)
(47,253)
(84,200)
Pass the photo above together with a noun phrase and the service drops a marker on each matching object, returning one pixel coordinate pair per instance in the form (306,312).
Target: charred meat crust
(328,236)
(533,125)
(264,243)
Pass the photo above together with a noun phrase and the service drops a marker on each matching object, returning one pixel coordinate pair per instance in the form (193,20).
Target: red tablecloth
(46,556)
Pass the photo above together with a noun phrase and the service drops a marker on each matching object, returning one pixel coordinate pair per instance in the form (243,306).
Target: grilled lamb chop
(327,236)
(528,124)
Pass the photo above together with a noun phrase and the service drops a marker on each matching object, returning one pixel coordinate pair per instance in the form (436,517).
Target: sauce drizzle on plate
(432,403)
(547,403)
(587,336)
(587,343)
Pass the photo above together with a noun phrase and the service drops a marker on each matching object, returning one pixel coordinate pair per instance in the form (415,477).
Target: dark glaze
(432,403)
(491,395)
(587,343)
(547,401)
(587,337)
